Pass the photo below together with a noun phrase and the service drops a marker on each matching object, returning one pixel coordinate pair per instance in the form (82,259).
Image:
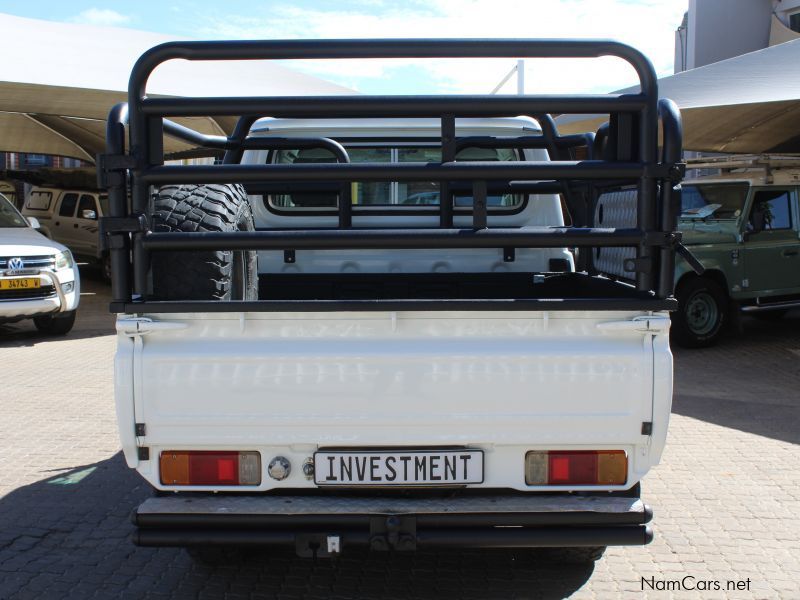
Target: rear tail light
(203,467)
(576,467)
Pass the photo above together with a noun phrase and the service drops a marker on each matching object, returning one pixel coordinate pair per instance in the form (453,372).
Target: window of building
(794,22)
(36,160)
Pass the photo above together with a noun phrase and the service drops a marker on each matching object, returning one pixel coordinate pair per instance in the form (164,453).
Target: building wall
(31,162)
(681,45)
(783,8)
(785,22)
(720,29)
(714,30)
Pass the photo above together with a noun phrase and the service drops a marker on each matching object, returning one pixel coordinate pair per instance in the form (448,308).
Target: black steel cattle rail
(634,122)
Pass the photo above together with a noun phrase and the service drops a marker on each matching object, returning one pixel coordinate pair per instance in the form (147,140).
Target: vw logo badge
(16,264)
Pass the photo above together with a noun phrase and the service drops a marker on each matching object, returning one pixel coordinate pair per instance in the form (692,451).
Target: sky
(647,25)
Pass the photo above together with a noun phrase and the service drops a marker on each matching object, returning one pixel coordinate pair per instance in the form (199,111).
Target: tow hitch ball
(392,533)
(385,533)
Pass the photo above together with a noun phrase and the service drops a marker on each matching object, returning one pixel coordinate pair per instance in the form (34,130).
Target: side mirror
(89,214)
(34,222)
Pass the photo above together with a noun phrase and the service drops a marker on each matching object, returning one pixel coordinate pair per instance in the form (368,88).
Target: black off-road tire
(700,318)
(204,275)
(57,324)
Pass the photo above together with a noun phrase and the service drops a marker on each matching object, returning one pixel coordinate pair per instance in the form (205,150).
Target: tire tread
(206,274)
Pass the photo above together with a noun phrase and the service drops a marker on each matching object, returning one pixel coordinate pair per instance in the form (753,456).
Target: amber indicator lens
(204,467)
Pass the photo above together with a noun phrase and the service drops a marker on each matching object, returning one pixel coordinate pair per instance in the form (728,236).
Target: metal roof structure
(60,80)
(747,104)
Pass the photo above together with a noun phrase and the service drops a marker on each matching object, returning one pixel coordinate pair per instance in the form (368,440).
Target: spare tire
(205,274)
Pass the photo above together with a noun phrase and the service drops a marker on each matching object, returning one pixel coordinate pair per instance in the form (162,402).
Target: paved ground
(726,495)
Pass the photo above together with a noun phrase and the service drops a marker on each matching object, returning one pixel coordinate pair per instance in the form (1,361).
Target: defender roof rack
(744,161)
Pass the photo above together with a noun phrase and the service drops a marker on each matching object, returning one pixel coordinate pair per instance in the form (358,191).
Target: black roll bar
(148,122)
(451,171)
(395,239)
(318,107)
(239,134)
(186,134)
(118,245)
(456,188)
(670,190)
(394,48)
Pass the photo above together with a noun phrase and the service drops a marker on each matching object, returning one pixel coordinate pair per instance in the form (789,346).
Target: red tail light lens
(572,467)
(203,467)
(576,467)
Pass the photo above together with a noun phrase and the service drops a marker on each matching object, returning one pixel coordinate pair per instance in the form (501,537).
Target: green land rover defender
(743,225)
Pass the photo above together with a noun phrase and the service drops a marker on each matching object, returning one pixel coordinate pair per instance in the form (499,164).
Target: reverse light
(209,467)
(64,260)
(576,467)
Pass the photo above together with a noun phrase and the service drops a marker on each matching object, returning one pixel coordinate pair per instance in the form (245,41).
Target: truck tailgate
(394,379)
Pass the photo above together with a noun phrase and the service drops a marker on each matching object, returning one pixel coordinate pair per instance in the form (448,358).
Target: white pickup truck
(370,325)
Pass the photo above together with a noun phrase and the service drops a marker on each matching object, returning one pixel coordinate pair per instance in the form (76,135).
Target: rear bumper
(306,522)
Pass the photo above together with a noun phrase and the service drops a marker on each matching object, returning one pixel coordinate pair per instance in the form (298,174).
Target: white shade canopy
(56,94)
(747,104)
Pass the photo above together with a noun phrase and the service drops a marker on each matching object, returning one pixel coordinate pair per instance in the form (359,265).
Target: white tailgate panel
(395,379)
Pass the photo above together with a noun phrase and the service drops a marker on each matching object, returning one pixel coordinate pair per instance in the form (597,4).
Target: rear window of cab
(39,200)
(399,195)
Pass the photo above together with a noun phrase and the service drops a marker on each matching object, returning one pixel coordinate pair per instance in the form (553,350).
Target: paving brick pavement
(726,496)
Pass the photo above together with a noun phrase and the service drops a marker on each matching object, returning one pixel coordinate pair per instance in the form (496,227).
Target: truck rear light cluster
(214,467)
(576,467)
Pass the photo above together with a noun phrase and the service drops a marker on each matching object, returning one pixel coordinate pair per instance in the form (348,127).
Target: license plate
(28,283)
(389,468)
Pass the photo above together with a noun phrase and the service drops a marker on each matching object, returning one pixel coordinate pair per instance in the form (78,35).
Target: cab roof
(390,127)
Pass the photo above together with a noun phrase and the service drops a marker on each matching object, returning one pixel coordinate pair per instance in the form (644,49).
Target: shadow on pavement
(67,536)
(748,382)
(778,422)
(21,336)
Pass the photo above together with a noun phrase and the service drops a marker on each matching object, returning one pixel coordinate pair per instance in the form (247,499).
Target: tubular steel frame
(129,240)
